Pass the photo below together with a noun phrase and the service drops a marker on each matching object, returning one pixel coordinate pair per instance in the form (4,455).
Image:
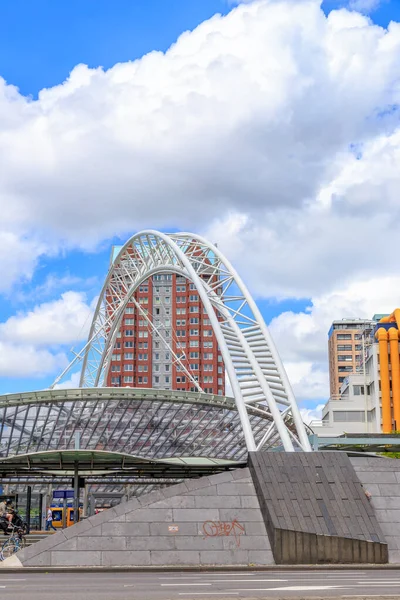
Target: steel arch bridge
(255,371)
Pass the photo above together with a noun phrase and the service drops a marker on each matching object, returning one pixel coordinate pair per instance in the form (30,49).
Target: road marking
(175,584)
(290,588)
(208,594)
(234,574)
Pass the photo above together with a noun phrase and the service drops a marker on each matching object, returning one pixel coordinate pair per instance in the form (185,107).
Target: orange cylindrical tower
(395,362)
(385,382)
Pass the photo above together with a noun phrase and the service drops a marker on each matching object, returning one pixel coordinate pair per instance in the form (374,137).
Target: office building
(345,350)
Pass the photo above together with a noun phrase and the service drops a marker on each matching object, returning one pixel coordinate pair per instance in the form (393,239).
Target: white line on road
(175,584)
(208,594)
(289,588)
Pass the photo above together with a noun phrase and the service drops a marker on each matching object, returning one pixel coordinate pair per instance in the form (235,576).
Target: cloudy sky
(271,127)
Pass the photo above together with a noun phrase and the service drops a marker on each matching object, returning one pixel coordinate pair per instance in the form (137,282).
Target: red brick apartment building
(141,357)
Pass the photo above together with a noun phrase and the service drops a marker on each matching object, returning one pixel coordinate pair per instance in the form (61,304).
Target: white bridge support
(253,366)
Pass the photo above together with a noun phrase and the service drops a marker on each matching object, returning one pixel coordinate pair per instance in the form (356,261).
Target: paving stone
(147,515)
(224,557)
(183,529)
(176,502)
(199,542)
(100,543)
(260,557)
(241,474)
(222,477)
(176,557)
(83,558)
(243,514)
(210,490)
(126,529)
(196,484)
(236,488)
(158,542)
(198,514)
(125,558)
(40,560)
(219,501)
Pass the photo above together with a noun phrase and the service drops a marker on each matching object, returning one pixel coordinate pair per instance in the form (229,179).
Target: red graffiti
(220,528)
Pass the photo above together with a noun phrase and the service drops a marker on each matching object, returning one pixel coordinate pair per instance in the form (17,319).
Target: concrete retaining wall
(381,477)
(209,521)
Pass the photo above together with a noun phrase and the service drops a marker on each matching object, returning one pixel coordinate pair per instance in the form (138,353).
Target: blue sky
(41,42)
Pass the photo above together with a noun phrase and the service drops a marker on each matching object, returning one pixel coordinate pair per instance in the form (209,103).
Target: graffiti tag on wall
(224,528)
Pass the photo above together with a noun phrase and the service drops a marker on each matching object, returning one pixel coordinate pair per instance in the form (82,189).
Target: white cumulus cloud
(274,130)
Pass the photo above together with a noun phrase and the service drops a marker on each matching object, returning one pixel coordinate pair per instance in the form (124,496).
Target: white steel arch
(253,366)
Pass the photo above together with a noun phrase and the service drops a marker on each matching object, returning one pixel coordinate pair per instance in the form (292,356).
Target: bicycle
(16,541)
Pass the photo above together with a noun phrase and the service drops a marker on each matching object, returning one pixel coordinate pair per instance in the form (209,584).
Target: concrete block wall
(381,477)
(208,521)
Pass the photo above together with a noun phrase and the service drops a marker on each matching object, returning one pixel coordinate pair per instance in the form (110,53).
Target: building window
(353,416)
(345,347)
(194,343)
(207,344)
(194,355)
(208,356)
(115,368)
(344,336)
(129,321)
(194,309)
(128,379)
(116,357)
(115,380)
(194,320)
(358,390)
(167,379)
(194,298)
(128,344)
(341,369)
(345,358)
(358,347)
(129,310)
(128,367)
(194,332)
(194,367)
(128,356)
(156,379)
(128,332)
(207,333)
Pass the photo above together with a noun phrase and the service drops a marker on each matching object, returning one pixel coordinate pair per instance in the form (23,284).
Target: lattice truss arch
(252,363)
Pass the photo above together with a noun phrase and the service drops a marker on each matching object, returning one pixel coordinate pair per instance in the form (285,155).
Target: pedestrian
(49,520)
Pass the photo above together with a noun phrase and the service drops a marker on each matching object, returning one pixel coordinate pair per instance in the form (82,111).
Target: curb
(200,569)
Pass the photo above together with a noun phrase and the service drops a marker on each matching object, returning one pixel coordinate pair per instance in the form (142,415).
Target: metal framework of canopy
(99,462)
(151,424)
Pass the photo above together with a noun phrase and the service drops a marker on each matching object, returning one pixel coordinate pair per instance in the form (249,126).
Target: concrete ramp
(213,520)
(315,509)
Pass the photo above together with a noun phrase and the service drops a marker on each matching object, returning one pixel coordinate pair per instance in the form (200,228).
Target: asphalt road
(199,586)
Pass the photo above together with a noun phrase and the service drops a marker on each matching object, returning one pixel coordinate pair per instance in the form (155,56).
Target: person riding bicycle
(6,511)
